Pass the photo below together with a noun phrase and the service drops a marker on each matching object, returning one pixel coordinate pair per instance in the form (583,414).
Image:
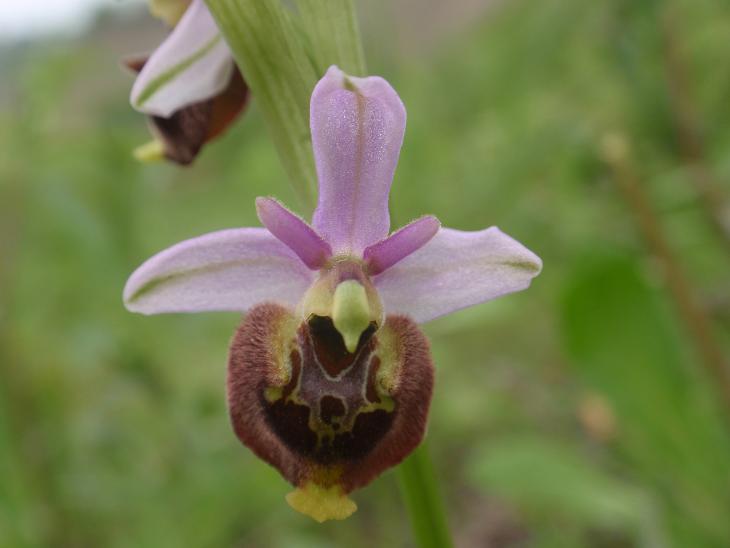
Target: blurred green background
(584,412)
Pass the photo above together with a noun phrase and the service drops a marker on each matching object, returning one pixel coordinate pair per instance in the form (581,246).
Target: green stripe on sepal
(170,74)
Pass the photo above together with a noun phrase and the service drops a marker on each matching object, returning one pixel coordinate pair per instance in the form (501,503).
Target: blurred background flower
(189,87)
(589,411)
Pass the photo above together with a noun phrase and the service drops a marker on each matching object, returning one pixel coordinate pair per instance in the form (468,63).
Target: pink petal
(191,65)
(400,244)
(226,270)
(357,131)
(454,270)
(294,232)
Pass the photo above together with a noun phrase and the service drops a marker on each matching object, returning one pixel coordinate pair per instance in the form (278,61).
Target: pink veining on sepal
(293,231)
(384,254)
(357,131)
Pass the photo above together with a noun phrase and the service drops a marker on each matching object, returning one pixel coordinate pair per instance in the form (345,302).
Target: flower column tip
(350,312)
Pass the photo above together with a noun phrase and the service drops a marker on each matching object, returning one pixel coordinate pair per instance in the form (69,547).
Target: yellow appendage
(321,503)
(154,151)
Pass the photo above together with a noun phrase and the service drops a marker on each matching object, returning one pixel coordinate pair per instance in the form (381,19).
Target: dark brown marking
(331,408)
(184,133)
(291,422)
(136,63)
(369,428)
(329,346)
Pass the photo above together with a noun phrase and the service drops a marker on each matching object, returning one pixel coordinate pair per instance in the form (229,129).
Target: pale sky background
(27,18)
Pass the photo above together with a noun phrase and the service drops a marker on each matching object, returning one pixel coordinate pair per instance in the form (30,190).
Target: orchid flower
(190,87)
(330,377)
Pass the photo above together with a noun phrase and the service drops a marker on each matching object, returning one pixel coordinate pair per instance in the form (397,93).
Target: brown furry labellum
(330,421)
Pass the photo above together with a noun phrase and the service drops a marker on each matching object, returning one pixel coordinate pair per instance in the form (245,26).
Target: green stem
(420,493)
(334,35)
(263,38)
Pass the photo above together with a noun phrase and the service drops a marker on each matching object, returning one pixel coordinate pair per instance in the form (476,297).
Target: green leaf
(551,481)
(624,344)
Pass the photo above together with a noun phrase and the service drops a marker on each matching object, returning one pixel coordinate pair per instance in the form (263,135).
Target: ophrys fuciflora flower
(329,375)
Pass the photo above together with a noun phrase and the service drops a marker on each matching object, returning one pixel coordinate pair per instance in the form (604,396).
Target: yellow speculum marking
(386,379)
(273,393)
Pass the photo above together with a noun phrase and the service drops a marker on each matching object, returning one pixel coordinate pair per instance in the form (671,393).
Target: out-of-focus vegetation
(582,412)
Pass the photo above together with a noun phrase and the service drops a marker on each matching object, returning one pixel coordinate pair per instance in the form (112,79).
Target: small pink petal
(357,131)
(226,270)
(455,270)
(294,232)
(400,244)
